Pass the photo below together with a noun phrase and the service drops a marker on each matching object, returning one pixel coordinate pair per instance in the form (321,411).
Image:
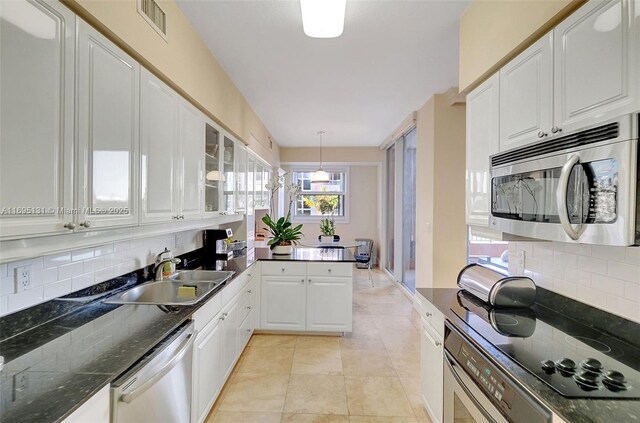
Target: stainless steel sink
(172,291)
(200,275)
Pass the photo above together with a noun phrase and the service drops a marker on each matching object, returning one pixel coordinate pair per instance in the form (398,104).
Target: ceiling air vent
(154,15)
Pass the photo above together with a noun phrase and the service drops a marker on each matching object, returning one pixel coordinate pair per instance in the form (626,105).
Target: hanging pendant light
(320,175)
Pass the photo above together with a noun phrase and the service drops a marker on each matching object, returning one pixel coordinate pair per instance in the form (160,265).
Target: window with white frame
(318,200)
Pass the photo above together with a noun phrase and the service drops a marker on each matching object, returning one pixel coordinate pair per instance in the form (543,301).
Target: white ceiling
(392,56)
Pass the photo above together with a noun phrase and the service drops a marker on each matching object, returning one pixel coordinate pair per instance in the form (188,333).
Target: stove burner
(596,345)
(566,366)
(548,366)
(592,365)
(614,381)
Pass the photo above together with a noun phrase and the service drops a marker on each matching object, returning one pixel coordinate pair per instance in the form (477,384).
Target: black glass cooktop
(574,359)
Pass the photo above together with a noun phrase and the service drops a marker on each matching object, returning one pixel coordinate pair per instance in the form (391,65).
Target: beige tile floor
(370,375)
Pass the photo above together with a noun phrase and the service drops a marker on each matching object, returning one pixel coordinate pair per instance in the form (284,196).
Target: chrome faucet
(160,262)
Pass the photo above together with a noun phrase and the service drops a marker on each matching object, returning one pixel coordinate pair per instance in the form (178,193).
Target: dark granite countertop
(570,409)
(309,254)
(66,350)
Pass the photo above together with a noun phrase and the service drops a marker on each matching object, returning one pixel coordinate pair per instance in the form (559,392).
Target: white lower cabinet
(282,302)
(230,324)
(312,297)
(207,370)
(329,304)
(431,373)
(94,410)
(432,359)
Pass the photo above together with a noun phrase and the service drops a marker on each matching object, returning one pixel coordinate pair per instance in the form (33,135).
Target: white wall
(604,277)
(62,273)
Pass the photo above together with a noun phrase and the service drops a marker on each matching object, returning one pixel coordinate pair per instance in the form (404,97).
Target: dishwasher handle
(182,351)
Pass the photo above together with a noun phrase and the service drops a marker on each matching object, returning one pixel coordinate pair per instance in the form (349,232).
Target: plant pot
(282,250)
(326,239)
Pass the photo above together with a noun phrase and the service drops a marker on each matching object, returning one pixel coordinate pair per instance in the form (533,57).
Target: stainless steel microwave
(582,187)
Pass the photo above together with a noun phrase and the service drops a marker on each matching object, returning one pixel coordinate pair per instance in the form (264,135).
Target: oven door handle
(561,198)
(451,363)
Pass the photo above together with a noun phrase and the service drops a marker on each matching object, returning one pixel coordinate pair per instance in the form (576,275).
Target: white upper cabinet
(241,178)
(526,96)
(158,148)
(37,41)
(483,117)
(596,61)
(189,174)
(229,175)
(108,133)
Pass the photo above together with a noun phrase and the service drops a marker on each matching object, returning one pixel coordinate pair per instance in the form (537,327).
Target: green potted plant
(284,234)
(327,229)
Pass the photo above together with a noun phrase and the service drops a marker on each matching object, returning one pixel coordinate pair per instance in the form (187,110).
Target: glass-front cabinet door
(257,185)
(228,175)
(213,175)
(266,194)
(241,178)
(251,168)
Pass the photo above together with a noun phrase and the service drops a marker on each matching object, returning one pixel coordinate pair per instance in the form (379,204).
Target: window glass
(486,250)
(321,198)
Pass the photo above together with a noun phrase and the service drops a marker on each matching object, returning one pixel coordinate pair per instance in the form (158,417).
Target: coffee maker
(215,246)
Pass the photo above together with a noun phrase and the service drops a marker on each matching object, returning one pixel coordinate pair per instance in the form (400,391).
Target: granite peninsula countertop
(308,254)
(69,348)
(571,409)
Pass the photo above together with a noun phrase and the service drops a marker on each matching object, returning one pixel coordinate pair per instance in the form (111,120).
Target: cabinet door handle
(302,280)
(433,341)
(556,129)
(86,223)
(70,225)
(542,134)
(248,291)
(283,270)
(428,314)
(249,307)
(248,330)
(329,270)
(224,316)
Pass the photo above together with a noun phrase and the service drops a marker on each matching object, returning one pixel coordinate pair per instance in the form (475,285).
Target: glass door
(228,180)
(409,211)
(251,166)
(391,197)
(258,200)
(241,178)
(213,174)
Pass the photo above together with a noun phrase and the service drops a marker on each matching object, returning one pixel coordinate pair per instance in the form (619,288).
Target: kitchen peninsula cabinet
(37,74)
(303,295)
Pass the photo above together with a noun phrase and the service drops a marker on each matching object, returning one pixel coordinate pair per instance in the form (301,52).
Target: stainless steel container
(495,286)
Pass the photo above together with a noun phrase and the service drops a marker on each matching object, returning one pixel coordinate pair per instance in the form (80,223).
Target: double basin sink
(186,287)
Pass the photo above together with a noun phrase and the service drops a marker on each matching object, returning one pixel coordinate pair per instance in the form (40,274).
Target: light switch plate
(522,259)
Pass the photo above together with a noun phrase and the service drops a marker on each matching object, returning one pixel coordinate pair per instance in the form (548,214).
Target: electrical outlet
(23,278)
(20,385)
(522,259)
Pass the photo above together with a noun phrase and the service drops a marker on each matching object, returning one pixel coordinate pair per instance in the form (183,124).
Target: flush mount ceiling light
(320,175)
(323,18)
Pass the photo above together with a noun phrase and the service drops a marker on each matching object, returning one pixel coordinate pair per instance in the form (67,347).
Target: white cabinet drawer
(283,268)
(330,269)
(204,314)
(230,291)
(432,317)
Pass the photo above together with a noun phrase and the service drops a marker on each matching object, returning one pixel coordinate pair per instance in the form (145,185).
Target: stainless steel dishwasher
(158,388)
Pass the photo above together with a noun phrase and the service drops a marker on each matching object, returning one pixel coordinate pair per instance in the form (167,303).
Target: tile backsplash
(62,273)
(604,277)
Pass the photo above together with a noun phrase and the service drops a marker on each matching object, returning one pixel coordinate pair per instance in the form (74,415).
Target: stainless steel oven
(476,390)
(581,187)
